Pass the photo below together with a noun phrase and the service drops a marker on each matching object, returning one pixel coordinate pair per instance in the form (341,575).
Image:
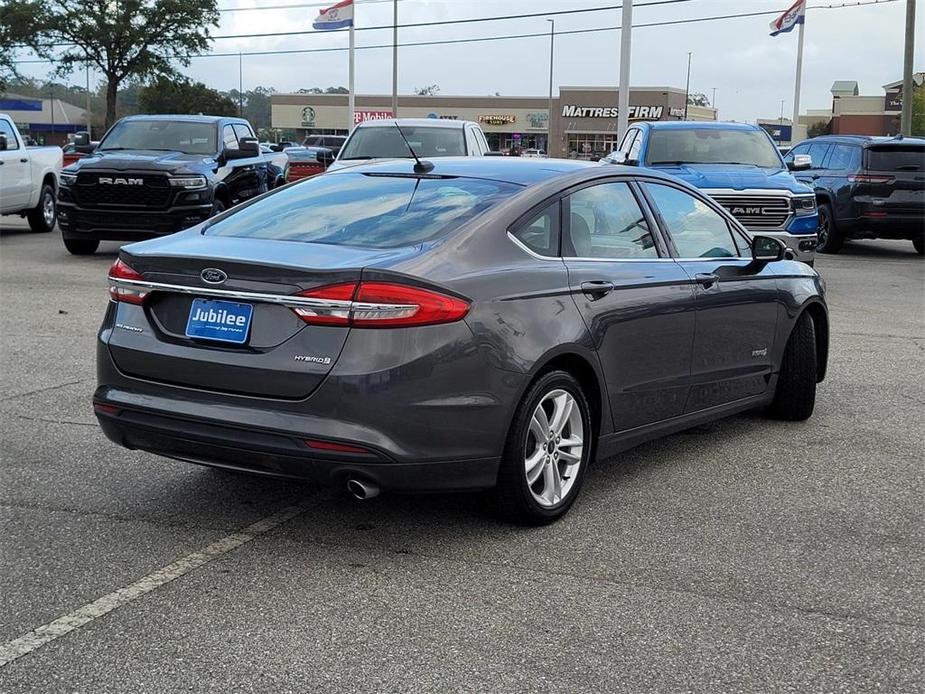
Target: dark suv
(331,142)
(866,188)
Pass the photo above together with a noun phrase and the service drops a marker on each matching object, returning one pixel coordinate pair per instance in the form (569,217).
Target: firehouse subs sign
(636,112)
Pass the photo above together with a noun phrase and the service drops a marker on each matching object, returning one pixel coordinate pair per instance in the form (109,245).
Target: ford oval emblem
(212,275)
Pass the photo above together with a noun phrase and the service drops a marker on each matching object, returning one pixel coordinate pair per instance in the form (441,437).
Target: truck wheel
(217,207)
(919,244)
(795,396)
(43,216)
(830,241)
(81,246)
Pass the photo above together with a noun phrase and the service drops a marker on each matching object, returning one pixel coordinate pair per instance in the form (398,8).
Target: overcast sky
(750,70)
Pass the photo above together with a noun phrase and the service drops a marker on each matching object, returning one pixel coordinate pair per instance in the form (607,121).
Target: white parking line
(46,633)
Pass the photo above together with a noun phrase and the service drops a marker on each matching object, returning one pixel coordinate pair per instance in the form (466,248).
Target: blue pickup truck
(738,166)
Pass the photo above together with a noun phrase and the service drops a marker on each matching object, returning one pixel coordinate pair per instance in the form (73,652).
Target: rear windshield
(163,135)
(372,211)
(896,158)
(382,142)
(712,146)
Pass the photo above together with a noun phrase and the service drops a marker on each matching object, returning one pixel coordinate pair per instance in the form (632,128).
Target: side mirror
(3,143)
(800,162)
(248,147)
(766,249)
(325,158)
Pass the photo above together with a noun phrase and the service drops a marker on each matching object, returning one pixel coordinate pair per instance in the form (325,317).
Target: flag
(789,19)
(335,17)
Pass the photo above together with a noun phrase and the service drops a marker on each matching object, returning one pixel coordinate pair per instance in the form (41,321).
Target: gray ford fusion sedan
(481,323)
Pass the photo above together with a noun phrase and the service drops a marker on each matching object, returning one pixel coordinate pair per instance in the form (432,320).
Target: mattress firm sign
(636,112)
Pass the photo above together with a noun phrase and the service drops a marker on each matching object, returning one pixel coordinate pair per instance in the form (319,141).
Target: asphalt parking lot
(743,556)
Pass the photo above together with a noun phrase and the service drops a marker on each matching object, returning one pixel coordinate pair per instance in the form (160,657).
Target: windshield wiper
(354,158)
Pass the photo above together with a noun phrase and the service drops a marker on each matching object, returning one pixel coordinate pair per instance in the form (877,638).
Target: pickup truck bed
(28,178)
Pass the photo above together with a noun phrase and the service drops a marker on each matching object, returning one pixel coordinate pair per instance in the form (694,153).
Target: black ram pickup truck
(155,175)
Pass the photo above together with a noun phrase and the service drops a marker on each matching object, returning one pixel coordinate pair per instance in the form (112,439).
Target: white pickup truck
(28,178)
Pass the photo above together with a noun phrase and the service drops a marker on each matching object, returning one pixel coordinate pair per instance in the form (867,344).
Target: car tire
(42,217)
(544,457)
(795,396)
(919,244)
(829,238)
(81,246)
(217,207)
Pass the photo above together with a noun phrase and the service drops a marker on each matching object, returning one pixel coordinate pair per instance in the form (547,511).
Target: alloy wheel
(553,449)
(48,209)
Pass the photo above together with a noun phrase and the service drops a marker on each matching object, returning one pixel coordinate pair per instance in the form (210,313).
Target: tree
(11,34)
(697,99)
(337,90)
(124,40)
(822,127)
(430,90)
(918,111)
(184,96)
(257,105)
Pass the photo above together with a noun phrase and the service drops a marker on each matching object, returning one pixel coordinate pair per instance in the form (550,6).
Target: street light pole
(687,89)
(906,118)
(713,101)
(623,97)
(394,58)
(89,131)
(240,84)
(780,124)
(552,47)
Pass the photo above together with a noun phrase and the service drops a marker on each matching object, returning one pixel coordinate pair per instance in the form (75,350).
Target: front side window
(188,137)
(606,222)
(229,139)
(369,210)
(817,152)
(634,149)
(385,142)
(242,131)
(711,146)
(628,140)
(6,129)
(541,235)
(698,230)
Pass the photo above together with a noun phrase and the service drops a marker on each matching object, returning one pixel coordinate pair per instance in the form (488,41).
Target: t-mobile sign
(360,116)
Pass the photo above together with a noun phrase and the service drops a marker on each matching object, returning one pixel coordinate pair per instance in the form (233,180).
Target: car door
(240,176)
(637,302)
(842,160)
(736,298)
(15,172)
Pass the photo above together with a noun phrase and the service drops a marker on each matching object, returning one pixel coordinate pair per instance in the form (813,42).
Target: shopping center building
(584,121)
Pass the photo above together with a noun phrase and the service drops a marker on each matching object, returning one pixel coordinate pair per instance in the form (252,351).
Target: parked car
(71,154)
(739,166)
(307,161)
(534,154)
(154,175)
(866,187)
(28,178)
(428,137)
(331,142)
(489,323)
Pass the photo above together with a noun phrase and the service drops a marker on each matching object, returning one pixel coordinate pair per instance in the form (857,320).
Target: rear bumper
(114,225)
(883,224)
(279,454)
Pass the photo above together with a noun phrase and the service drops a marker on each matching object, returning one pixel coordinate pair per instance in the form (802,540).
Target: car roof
(417,122)
(697,125)
(186,117)
(508,169)
(868,140)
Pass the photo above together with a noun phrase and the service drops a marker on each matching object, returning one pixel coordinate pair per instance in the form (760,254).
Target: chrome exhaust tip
(361,489)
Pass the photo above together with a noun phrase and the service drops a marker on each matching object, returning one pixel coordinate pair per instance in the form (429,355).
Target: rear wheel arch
(820,318)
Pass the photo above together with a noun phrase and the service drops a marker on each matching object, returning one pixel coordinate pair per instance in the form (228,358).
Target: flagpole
(351,101)
(796,88)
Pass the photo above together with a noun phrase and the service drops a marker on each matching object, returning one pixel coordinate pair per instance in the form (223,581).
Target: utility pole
(906,122)
(780,124)
(687,89)
(623,98)
(89,126)
(552,46)
(240,84)
(713,101)
(394,58)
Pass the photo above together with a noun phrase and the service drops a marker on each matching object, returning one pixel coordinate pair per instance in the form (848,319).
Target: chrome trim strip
(770,192)
(283,299)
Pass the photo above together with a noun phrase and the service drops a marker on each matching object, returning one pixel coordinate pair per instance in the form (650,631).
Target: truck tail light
(119,292)
(381,305)
(869,178)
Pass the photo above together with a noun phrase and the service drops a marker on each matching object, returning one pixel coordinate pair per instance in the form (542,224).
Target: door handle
(707,279)
(596,289)
(23,161)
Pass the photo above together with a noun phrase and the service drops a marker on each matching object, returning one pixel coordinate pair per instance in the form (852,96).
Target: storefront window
(591,145)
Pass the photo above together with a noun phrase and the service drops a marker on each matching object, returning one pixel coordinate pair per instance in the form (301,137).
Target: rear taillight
(380,305)
(120,292)
(869,178)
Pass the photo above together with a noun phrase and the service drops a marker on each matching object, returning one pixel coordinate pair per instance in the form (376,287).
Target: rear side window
(541,234)
(896,158)
(844,158)
(373,211)
(606,223)
(698,230)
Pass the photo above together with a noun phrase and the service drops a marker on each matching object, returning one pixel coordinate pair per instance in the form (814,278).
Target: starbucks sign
(308,117)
